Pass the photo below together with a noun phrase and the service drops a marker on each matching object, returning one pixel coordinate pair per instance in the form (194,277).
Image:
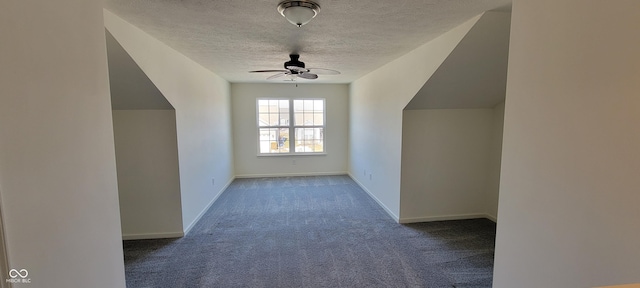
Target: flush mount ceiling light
(298,12)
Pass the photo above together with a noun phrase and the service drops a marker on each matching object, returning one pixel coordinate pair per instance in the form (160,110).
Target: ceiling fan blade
(276,75)
(307,75)
(323,71)
(270,71)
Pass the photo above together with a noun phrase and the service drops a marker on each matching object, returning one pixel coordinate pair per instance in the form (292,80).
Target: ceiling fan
(295,68)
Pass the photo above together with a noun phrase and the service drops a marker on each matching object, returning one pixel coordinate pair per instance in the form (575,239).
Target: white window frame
(292,127)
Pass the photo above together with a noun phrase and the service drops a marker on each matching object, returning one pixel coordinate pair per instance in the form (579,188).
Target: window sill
(292,154)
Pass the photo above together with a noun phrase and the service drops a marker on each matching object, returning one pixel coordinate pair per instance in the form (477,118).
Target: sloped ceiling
(131,89)
(231,37)
(474,75)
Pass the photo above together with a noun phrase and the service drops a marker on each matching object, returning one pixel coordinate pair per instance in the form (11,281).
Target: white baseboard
(385,208)
(152,236)
(291,174)
(193,223)
(446,218)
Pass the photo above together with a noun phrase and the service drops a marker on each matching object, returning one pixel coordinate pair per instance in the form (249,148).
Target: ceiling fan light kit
(298,12)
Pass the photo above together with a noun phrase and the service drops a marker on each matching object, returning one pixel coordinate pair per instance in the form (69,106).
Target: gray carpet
(312,232)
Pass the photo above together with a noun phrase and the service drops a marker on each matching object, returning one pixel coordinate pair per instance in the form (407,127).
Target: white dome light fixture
(298,12)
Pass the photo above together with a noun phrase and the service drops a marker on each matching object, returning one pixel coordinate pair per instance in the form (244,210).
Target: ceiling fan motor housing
(294,62)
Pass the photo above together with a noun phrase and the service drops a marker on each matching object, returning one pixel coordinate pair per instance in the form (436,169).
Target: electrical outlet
(293,162)
(370,176)
(213,181)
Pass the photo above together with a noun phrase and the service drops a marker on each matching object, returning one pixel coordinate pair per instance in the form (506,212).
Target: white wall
(203,115)
(568,212)
(248,164)
(57,159)
(375,116)
(148,176)
(445,164)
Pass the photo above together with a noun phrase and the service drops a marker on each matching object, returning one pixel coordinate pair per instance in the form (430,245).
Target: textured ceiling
(231,37)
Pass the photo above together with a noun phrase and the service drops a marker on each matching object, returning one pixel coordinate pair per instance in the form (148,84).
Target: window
(290,126)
